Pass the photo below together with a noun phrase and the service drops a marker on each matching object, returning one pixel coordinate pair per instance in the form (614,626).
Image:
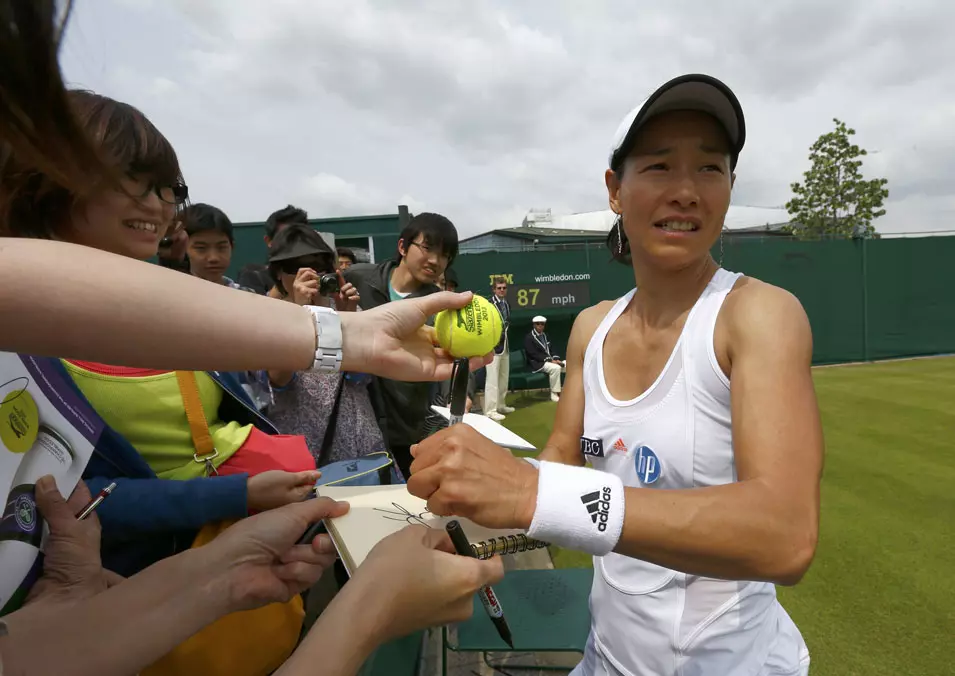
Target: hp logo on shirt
(648,465)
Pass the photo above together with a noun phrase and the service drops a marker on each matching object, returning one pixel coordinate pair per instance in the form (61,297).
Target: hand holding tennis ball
(472,331)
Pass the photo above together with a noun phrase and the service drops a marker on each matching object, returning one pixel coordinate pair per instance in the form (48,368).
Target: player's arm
(764,526)
(563,445)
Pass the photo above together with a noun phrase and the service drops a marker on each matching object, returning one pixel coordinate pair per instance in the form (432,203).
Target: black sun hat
(298,241)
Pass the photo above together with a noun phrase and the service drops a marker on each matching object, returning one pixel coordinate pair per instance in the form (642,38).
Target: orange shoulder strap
(198,425)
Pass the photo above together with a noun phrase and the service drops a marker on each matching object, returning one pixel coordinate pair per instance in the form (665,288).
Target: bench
(521,377)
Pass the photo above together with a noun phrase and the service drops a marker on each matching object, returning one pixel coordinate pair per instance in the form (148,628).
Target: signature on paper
(401,513)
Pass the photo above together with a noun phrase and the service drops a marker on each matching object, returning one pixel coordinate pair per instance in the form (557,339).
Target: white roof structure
(737,217)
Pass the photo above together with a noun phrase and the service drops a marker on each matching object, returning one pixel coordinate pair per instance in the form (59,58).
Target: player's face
(675,189)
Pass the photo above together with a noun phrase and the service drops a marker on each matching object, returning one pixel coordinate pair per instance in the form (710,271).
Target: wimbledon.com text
(578,277)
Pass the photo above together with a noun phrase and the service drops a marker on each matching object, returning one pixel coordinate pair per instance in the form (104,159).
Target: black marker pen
(459,391)
(486,594)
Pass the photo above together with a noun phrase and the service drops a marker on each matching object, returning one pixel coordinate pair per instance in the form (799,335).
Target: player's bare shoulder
(584,328)
(752,300)
(588,320)
(757,311)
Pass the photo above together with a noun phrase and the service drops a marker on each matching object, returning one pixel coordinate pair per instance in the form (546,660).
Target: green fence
(376,235)
(866,299)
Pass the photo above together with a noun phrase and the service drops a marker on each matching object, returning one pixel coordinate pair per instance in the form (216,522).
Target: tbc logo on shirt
(648,465)
(598,506)
(594,447)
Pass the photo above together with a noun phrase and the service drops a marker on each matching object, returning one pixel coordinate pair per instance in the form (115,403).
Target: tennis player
(692,399)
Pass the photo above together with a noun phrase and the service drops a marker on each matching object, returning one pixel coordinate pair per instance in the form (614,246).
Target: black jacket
(505,311)
(256,277)
(537,349)
(401,407)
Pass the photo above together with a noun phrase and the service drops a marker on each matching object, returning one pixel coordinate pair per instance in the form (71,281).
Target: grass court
(879,598)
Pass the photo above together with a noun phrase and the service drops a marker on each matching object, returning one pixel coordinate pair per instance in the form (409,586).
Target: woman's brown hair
(123,140)
(56,146)
(37,127)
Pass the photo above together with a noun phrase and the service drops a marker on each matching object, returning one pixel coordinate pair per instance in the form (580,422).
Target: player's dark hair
(617,239)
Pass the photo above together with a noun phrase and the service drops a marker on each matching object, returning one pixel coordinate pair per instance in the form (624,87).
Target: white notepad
(494,431)
(378,511)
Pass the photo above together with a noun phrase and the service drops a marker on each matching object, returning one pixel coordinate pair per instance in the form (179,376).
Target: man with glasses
(426,247)
(498,371)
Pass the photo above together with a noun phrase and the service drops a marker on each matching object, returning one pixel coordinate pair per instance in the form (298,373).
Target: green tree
(835,200)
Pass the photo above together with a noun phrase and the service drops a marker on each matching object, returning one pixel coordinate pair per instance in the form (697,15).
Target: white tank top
(648,619)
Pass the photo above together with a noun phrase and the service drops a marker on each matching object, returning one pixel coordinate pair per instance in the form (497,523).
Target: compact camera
(329,284)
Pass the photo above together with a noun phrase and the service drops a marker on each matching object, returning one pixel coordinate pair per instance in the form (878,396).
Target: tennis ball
(472,331)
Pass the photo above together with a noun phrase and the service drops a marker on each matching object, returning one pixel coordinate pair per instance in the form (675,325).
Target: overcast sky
(483,110)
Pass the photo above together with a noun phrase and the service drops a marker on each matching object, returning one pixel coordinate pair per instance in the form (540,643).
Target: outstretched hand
(432,586)
(393,341)
(427,585)
(276,488)
(260,557)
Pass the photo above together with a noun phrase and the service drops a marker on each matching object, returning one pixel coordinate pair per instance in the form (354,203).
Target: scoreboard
(544,296)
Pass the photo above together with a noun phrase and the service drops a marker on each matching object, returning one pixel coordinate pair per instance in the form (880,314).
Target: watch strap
(328,339)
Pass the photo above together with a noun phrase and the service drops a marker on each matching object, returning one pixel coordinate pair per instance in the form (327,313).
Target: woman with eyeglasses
(167,488)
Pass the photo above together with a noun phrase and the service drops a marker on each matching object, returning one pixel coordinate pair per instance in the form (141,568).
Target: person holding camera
(332,411)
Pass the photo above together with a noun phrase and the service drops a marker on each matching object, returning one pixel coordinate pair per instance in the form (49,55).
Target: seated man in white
(540,357)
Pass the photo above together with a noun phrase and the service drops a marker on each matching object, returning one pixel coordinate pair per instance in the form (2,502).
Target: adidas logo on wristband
(598,506)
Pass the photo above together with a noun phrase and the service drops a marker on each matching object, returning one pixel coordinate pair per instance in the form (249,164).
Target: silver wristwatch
(328,339)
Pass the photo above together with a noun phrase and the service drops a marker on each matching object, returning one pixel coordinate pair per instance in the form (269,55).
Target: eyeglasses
(170,194)
(428,250)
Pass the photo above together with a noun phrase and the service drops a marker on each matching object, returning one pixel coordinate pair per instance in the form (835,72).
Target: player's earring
(721,245)
(619,235)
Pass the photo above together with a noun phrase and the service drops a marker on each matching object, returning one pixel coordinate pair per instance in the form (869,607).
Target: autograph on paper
(401,513)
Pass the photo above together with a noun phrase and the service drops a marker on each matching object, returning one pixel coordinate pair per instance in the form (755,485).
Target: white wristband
(578,508)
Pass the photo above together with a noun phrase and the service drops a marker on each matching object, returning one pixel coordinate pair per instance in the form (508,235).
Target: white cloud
(484,110)
(162,86)
(331,195)
(333,191)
